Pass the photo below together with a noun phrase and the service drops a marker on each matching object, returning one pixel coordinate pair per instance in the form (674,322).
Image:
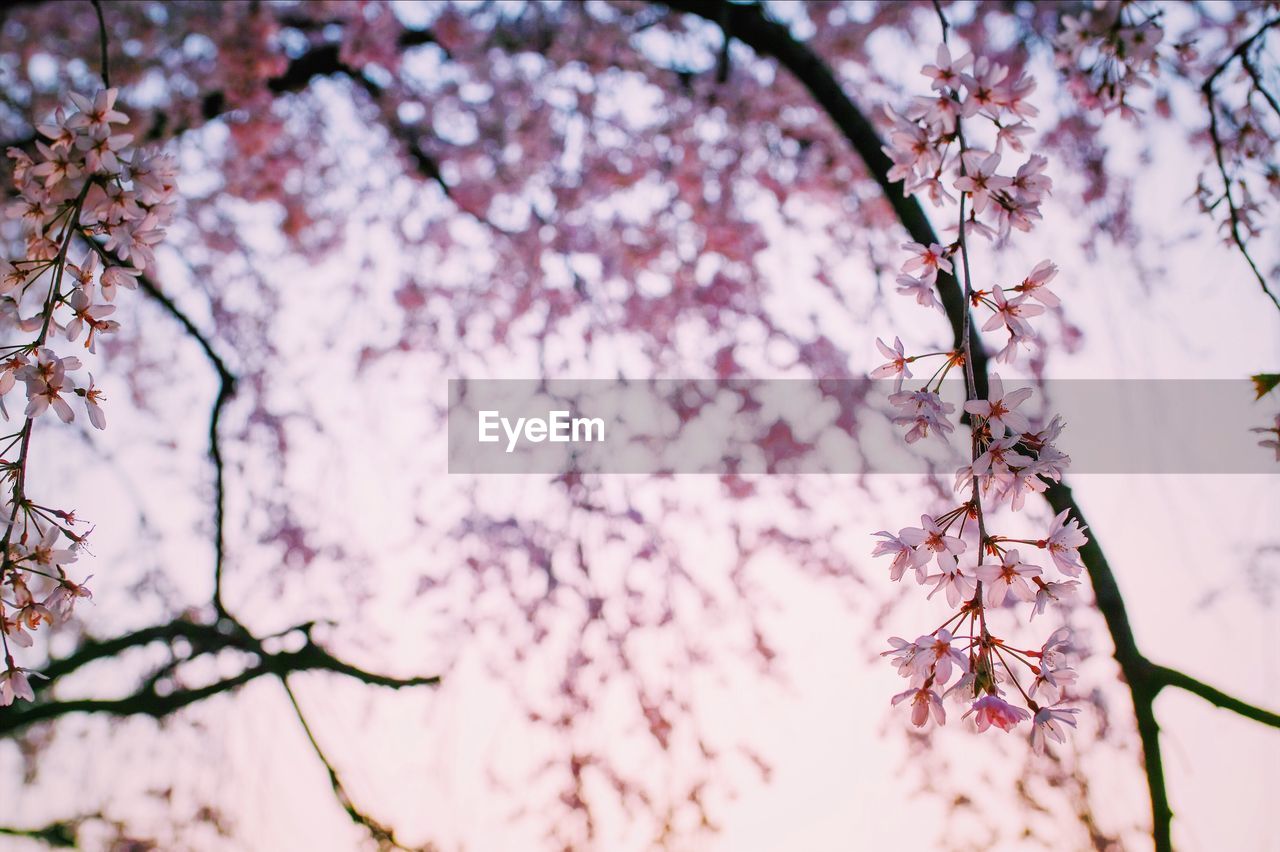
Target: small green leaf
(1265,383)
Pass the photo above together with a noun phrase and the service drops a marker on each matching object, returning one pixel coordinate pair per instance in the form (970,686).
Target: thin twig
(226,390)
(384,835)
(1240,52)
(102,42)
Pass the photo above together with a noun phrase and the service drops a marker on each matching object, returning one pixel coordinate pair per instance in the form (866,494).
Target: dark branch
(58,835)
(771,39)
(149,700)
(102,43)
(1172,677)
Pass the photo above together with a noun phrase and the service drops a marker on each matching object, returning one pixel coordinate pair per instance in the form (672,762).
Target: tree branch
(226,390)
(771,39)
(147,700)
(58,835)
(1165,676)
(1210,95)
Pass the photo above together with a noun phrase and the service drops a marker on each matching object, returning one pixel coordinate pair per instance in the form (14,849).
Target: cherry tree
(322,210)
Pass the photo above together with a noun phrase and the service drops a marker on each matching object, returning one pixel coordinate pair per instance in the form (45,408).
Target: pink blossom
(96,112)
(46,382)
(1049,684)
(931,538)
(990,710)
(897,365)
(1011,313)
(1054,591)
(999,409)
(904,556)
(946,73)
(63,598)
(14,684)
(929,259)
(118,276)
(1063,541)
(922,410)
(937,654)
(980,179)
(982,87)
(958,583)
(1009,575)
(92,398)
(1046,725)
(923,291)
(902,654)
(1034,285)
(1053,651)
(924,702)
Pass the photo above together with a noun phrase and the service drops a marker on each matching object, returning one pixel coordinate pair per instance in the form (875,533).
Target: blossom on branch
(87,188)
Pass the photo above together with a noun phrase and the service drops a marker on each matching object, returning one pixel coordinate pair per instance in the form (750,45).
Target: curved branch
(771,39)
(1165,676)
(226,390)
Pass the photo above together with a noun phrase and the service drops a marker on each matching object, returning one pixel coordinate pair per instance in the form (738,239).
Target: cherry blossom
(956,581)
(979,179)
(1050,683)
(46,381)
(922,291)
(89,188)
(928,259)
(993,711)
(904,556)
(1012,313)
(929,143)
(1054,591)
(924,702)
(92,399)
(63,598)
(897,366)
(1010,575)
(1063,541)
(14,684)
(946,73)
(931,538)
(999,410)
(1035,284)
(937,656)
(1045,725)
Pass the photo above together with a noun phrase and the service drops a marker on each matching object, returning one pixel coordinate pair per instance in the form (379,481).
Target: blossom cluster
(1107,51)
(951,145)
(924,147)
(92,210)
